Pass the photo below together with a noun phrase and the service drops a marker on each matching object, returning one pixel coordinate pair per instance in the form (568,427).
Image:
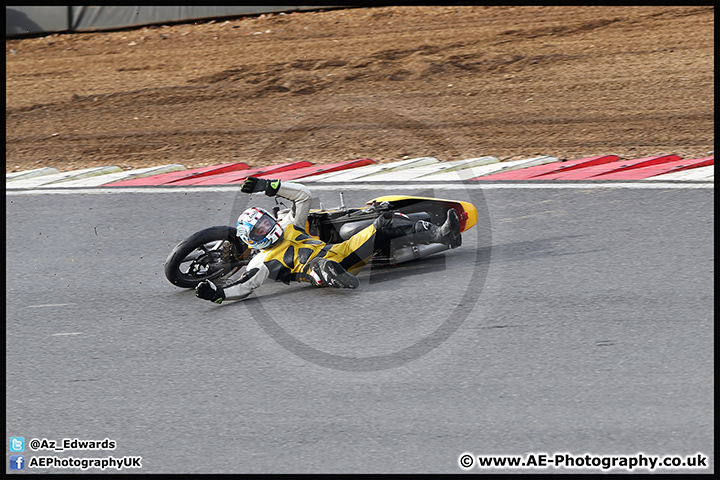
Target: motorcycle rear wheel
(215,253)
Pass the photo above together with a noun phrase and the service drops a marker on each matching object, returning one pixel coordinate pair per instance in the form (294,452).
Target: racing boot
(448,233)
(397,225)
(327,273)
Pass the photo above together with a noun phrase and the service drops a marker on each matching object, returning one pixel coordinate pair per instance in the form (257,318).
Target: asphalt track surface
(572,320)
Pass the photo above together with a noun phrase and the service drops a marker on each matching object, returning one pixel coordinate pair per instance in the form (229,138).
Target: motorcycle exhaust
(414,252)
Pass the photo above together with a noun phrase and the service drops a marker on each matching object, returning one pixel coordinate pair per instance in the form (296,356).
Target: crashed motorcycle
(218,254)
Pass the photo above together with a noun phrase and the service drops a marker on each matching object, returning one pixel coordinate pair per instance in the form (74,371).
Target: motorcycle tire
(215,253)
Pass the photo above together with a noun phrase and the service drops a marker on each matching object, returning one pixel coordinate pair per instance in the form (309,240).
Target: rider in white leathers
(288,253)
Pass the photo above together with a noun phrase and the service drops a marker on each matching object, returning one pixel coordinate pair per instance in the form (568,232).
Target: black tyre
(215,253)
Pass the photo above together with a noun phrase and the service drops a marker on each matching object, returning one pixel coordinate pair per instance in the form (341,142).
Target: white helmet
(258,228)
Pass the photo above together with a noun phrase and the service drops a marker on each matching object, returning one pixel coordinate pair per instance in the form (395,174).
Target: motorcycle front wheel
(215,253)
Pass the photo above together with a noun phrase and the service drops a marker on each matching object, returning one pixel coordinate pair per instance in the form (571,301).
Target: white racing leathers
(259,268)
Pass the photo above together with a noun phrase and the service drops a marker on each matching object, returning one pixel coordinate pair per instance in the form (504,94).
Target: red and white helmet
(258,228)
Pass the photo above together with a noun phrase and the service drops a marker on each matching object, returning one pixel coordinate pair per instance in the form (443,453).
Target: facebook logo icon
(17,462)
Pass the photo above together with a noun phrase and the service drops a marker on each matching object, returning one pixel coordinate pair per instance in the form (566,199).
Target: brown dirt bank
(381,83)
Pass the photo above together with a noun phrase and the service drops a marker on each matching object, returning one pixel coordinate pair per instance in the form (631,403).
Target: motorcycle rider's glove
(207,290)
(254,185)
